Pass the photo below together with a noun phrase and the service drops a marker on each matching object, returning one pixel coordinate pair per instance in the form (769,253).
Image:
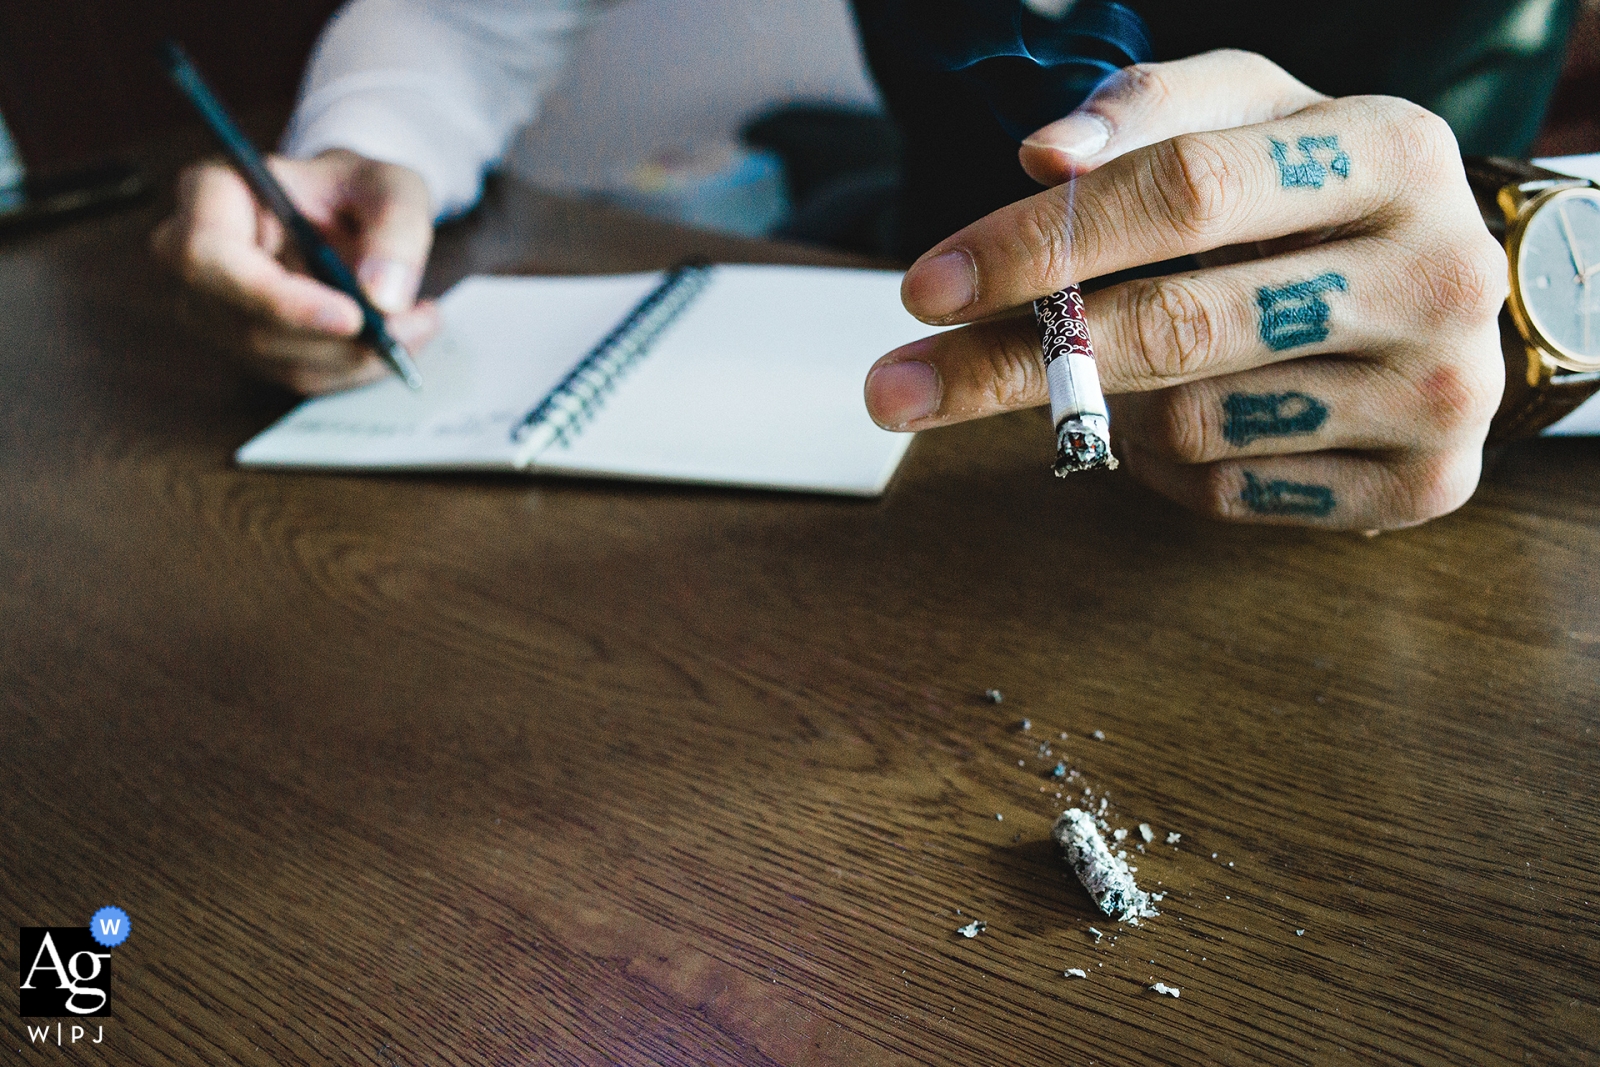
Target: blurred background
(684,108)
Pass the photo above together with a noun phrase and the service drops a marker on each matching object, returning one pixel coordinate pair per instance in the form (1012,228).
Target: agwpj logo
(65,971)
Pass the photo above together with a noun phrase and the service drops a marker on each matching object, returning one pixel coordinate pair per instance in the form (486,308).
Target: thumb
(393,216)
(1153,102)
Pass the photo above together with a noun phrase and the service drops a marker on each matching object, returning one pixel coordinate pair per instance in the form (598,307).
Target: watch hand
(1572,244)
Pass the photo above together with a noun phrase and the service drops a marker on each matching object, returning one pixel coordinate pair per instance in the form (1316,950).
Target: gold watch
(1550,328)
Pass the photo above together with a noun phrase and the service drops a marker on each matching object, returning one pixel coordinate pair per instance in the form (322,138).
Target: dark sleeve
(1488,67)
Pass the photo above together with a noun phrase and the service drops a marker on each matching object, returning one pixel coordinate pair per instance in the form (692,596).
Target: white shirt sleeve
(440,86)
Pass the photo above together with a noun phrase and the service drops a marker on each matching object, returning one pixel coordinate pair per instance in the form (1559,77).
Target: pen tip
(403,366)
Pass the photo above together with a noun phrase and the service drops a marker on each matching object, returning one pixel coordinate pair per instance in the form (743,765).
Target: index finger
(215,243)
(1326,166)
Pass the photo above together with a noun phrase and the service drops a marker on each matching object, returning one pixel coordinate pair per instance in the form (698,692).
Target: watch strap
(1527,408)
(1492,173)
(1488,175)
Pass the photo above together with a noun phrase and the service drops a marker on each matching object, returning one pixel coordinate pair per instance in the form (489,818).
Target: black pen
(322,261)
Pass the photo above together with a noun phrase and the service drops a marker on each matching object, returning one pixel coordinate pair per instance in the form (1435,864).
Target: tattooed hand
(1336,362)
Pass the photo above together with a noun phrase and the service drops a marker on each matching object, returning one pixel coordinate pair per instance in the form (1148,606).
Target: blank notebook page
(757,383)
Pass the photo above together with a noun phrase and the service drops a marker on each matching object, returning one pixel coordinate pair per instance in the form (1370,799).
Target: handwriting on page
(454,424)
(448,407)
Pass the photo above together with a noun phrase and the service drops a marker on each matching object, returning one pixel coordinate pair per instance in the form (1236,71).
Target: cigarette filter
(1077,406)
(1107,878)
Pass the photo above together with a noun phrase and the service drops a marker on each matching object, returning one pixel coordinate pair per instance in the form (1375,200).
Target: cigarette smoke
(1033,60)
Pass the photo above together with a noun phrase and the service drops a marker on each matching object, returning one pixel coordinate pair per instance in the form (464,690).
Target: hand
(1338,361)
(285,326)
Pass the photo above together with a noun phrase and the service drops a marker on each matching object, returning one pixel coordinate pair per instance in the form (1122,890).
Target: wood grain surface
(487,770)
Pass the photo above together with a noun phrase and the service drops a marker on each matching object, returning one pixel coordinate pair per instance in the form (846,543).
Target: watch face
(1558,273)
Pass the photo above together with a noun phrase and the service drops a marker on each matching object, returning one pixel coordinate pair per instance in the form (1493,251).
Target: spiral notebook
(727,375)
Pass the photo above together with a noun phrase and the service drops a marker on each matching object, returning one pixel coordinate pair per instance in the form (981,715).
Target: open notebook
(730,375)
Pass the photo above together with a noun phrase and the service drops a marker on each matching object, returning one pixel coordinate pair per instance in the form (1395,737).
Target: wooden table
(473,770)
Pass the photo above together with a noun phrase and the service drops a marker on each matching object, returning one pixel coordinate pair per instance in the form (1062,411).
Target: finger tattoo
(1248,416)
(1296,314)
(1278,497)
(1319,157)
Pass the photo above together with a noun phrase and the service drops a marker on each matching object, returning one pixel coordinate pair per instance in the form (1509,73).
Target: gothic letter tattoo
(1295,314)
(1286,498)
(1310,171)
(1248,416)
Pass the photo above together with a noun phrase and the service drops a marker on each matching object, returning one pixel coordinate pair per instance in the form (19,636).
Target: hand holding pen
(247,287)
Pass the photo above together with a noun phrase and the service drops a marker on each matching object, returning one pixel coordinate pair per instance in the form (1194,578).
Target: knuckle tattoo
(1297,314)
(1262,494)
(1249,417)
(1311,162)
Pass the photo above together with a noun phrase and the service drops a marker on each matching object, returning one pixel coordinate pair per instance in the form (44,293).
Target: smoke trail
(1032,60)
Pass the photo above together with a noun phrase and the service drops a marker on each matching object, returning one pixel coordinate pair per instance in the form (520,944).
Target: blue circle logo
(110,927)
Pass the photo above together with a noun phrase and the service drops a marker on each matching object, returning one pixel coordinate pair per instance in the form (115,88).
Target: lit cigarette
(1077,406)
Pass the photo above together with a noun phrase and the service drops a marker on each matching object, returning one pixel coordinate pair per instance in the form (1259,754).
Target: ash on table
(1107,878)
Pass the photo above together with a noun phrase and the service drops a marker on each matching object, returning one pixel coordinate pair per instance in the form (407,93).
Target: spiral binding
(576,399)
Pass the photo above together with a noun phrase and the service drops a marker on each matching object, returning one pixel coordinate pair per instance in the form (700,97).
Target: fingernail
(901,393)
(1080,134)
(416,327)
(939,287)
(390,284)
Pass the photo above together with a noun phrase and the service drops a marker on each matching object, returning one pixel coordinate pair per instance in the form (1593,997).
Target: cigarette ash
(1106,877)
(1082,444)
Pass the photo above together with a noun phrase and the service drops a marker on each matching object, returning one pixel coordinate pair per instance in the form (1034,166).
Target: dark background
(78,84)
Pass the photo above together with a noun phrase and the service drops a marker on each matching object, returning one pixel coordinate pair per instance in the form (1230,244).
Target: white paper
(1577,166)
(1584,421)
(758,383)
